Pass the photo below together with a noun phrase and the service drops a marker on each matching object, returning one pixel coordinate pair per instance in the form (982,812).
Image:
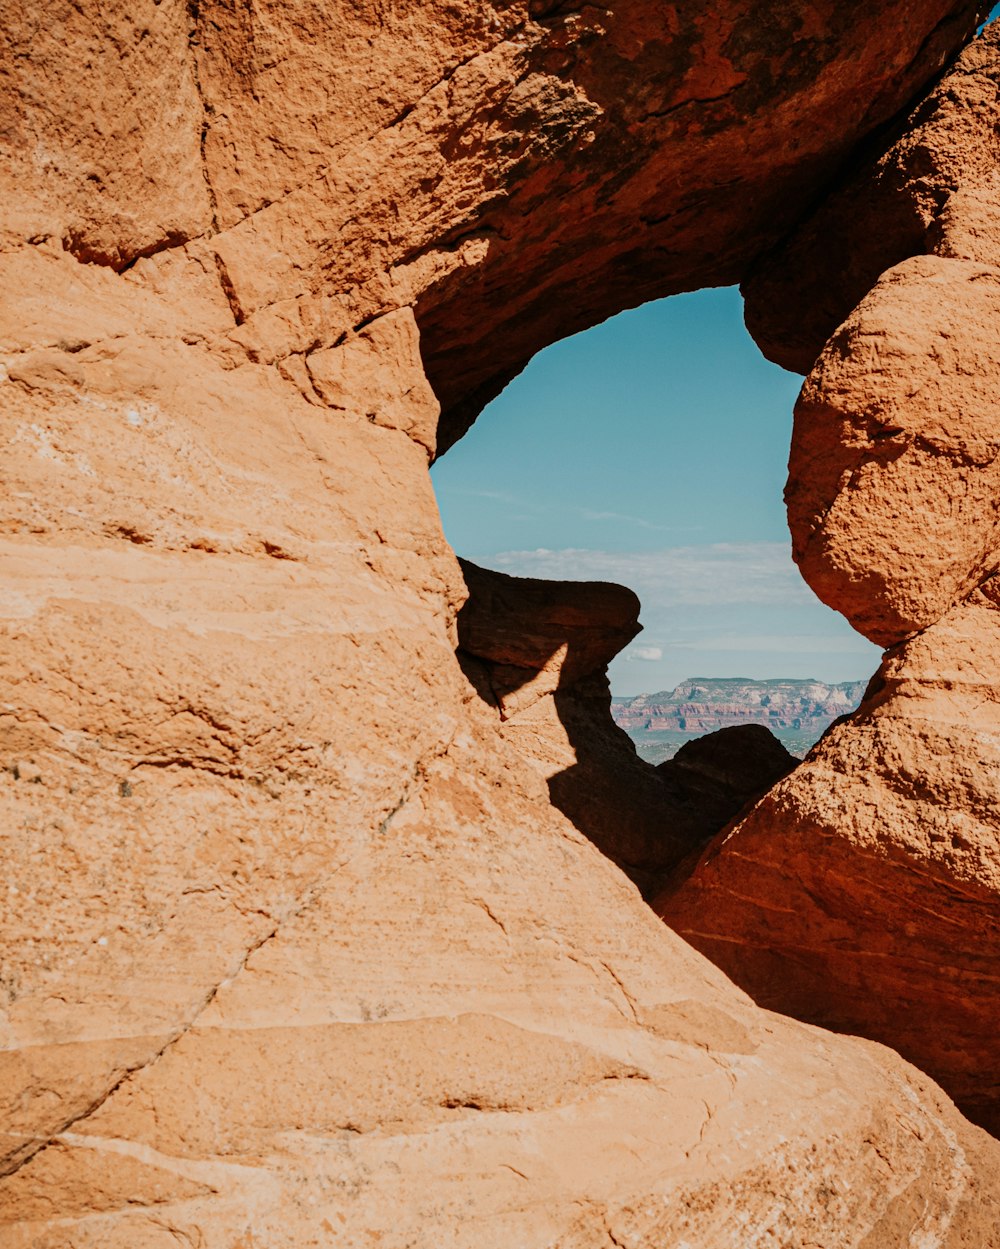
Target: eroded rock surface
(321,166)
(891,495)
(931,191)
(861,893)
(893,478)
(864,891)
(295,946)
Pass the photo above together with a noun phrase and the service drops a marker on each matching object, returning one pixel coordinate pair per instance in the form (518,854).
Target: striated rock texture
(295,948)
(864,891)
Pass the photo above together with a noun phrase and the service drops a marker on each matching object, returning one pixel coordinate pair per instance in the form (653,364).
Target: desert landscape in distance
(797,712)
(336,910)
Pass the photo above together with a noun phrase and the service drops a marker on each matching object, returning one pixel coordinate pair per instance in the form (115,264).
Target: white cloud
(499,496)
(751,572)
(542,506)
(641,521)
(648,654)
(728,609)
(788,644)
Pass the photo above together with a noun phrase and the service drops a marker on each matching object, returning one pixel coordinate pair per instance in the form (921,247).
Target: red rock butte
(320,922)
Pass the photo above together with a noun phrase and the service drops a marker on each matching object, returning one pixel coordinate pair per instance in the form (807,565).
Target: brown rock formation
(537,651)
(295,948)
(894,480)
(863,892)
(724,771)
(550,633)
(891,495)
(515,171)
(931,191)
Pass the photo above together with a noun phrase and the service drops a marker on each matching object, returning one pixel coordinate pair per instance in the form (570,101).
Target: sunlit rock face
(296,948)
(863,893)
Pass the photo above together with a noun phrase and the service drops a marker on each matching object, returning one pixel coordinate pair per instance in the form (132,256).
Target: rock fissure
(660,114)
(229,289)
(612,1238)
(206,110)
(295,911)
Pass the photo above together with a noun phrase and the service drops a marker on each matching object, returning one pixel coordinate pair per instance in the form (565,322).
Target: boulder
(723,771)
(894,473)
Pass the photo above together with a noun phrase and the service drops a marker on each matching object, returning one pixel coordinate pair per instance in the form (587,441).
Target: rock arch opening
(649,452)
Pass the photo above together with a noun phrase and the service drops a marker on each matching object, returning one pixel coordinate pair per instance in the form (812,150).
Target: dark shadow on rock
(725,771)
(537,652)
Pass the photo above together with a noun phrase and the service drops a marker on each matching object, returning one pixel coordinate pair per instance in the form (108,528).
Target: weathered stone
(537,651)
(722,772)
(295,946)
(564,630)
(931,189)
(863,892)
(515,171)
(894,474)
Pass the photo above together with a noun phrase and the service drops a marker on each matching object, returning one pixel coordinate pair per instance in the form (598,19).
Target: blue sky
(652,451)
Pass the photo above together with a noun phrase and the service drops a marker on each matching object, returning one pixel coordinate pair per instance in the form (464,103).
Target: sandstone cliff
(296,949)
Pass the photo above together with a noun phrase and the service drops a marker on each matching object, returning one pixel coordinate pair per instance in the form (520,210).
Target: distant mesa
(798,712)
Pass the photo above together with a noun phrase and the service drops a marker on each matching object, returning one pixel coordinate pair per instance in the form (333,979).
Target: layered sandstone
(863,892)
(296,949)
